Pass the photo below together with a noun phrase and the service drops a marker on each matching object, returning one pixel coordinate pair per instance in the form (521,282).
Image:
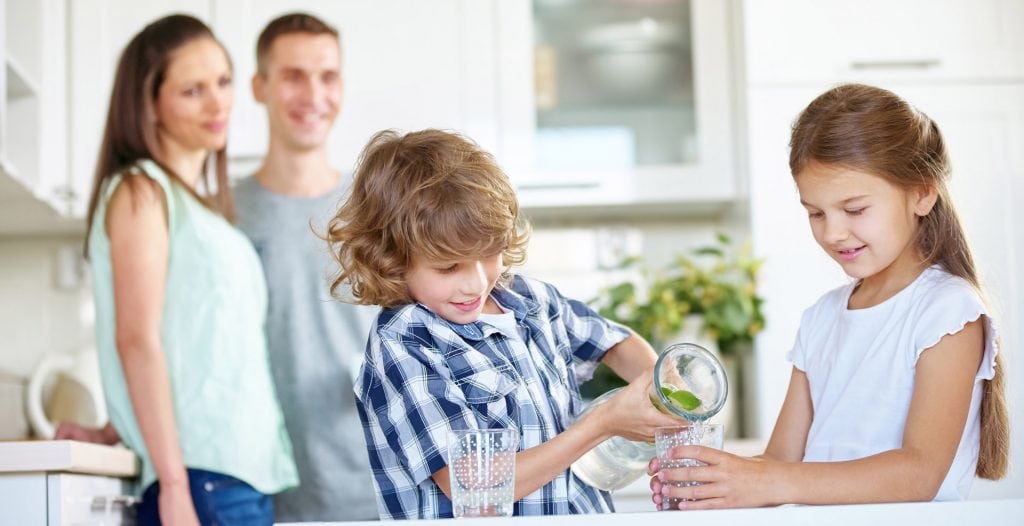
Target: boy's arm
(631,357)
(629,414)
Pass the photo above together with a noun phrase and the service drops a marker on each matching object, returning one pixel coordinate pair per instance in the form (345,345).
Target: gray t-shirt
(316,346)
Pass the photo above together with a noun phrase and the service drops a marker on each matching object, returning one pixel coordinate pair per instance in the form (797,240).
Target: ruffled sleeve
(947,310)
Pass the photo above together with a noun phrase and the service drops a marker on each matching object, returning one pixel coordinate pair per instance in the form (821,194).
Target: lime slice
(682,398)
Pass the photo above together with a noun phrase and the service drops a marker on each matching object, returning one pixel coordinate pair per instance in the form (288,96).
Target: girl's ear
(923,199)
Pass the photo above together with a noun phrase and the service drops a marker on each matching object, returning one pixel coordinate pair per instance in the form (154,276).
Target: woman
(180,296)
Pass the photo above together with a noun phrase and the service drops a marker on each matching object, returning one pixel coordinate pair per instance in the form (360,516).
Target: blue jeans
(219,500)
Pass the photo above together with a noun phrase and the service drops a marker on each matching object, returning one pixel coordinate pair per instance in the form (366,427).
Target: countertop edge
(67,456)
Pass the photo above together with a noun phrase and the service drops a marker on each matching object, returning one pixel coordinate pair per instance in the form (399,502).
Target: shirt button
(208,486)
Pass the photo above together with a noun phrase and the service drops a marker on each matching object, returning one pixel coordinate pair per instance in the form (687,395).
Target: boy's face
(301,88)
(458,291)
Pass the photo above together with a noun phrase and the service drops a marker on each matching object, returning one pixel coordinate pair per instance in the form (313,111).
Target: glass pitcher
(689,384)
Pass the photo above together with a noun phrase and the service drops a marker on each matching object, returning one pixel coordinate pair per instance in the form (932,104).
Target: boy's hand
(631,415)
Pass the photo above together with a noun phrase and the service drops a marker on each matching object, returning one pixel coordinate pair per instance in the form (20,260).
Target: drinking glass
(482,471)
(666,438)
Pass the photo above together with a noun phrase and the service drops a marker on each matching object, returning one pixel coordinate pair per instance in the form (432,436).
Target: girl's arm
(789,438)
(914,472)
(629,414)
(631,357)
(139,246)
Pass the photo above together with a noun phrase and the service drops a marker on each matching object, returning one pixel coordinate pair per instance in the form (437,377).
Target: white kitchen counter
(67,456)
(968,513)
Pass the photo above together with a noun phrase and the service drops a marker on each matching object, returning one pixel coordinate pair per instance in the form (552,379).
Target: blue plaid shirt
(424,376)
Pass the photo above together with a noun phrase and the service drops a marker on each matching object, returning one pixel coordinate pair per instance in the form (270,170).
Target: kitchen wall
(46,300)
(45,304)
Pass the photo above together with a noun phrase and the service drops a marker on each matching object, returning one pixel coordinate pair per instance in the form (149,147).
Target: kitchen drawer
(65,499)
(74,499)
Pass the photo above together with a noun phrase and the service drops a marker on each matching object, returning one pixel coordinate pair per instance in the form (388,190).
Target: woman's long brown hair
(875,131)
(130,133)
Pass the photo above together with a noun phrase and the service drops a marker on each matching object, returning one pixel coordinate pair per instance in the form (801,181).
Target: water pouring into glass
(689,384)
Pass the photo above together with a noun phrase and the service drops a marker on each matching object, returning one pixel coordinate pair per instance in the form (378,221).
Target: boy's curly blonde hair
(433,194)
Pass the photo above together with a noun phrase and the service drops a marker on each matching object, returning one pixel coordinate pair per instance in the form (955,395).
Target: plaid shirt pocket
(489,394)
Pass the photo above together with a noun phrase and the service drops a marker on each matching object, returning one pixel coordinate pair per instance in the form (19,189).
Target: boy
(429,233)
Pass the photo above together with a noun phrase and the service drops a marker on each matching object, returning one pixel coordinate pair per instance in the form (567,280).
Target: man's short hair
(286,25)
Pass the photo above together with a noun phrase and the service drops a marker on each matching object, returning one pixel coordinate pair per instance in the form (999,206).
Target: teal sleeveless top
(215,304)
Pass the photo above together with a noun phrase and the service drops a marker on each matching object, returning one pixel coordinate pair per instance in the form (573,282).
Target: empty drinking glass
(666,438)
(482,470)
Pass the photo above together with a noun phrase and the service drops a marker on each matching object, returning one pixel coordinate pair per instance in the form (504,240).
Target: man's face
(301,88)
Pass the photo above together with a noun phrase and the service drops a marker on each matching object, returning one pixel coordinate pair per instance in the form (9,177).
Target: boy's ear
(924,198)
(257,87)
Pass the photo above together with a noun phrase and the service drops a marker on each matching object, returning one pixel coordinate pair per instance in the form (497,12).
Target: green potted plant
(716,281)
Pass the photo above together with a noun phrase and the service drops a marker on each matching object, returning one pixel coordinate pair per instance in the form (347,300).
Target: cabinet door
(407,64)
(23,498)
(35,122)
(98,32)
(797,41)
(629,107)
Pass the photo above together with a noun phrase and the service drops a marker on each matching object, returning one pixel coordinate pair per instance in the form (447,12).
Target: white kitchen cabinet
(33,142)
(62,482)
(98,31)
(628,61)
(64,499)
(407,64)
(800,41)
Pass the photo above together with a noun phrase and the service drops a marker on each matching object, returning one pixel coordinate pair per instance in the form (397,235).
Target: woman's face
(194,101)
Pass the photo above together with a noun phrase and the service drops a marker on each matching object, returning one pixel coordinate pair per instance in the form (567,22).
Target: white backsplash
(44,304)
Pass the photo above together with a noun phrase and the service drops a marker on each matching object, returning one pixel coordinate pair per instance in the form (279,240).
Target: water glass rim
(716,425)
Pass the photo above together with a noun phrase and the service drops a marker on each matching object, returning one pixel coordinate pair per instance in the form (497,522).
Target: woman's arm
(631,357)
(139,245)
(938,411)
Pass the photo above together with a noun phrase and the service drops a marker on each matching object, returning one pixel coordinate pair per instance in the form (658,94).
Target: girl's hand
(630,413)
(176,507)
(727,481)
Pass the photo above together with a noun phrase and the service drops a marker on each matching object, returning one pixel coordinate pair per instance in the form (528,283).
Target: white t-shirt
(860,365)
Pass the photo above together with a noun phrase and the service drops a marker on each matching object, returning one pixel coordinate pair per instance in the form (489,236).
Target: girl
(896,393)
(180,296)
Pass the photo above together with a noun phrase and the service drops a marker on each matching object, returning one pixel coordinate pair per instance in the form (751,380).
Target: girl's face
(458,291)
(194,101)
(864,222)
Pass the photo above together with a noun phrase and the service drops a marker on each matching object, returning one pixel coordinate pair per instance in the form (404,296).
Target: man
(315,343)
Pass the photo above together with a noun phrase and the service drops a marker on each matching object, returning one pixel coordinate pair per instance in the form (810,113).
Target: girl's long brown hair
(130,133)
(873,130)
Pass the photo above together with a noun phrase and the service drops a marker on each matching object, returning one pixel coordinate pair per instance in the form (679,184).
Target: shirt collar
(520,305)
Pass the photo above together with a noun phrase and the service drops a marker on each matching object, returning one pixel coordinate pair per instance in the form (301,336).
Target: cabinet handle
(895,64)
(559,186)
(108,502)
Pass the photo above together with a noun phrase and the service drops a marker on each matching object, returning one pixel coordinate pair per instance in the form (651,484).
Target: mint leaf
(682,398)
